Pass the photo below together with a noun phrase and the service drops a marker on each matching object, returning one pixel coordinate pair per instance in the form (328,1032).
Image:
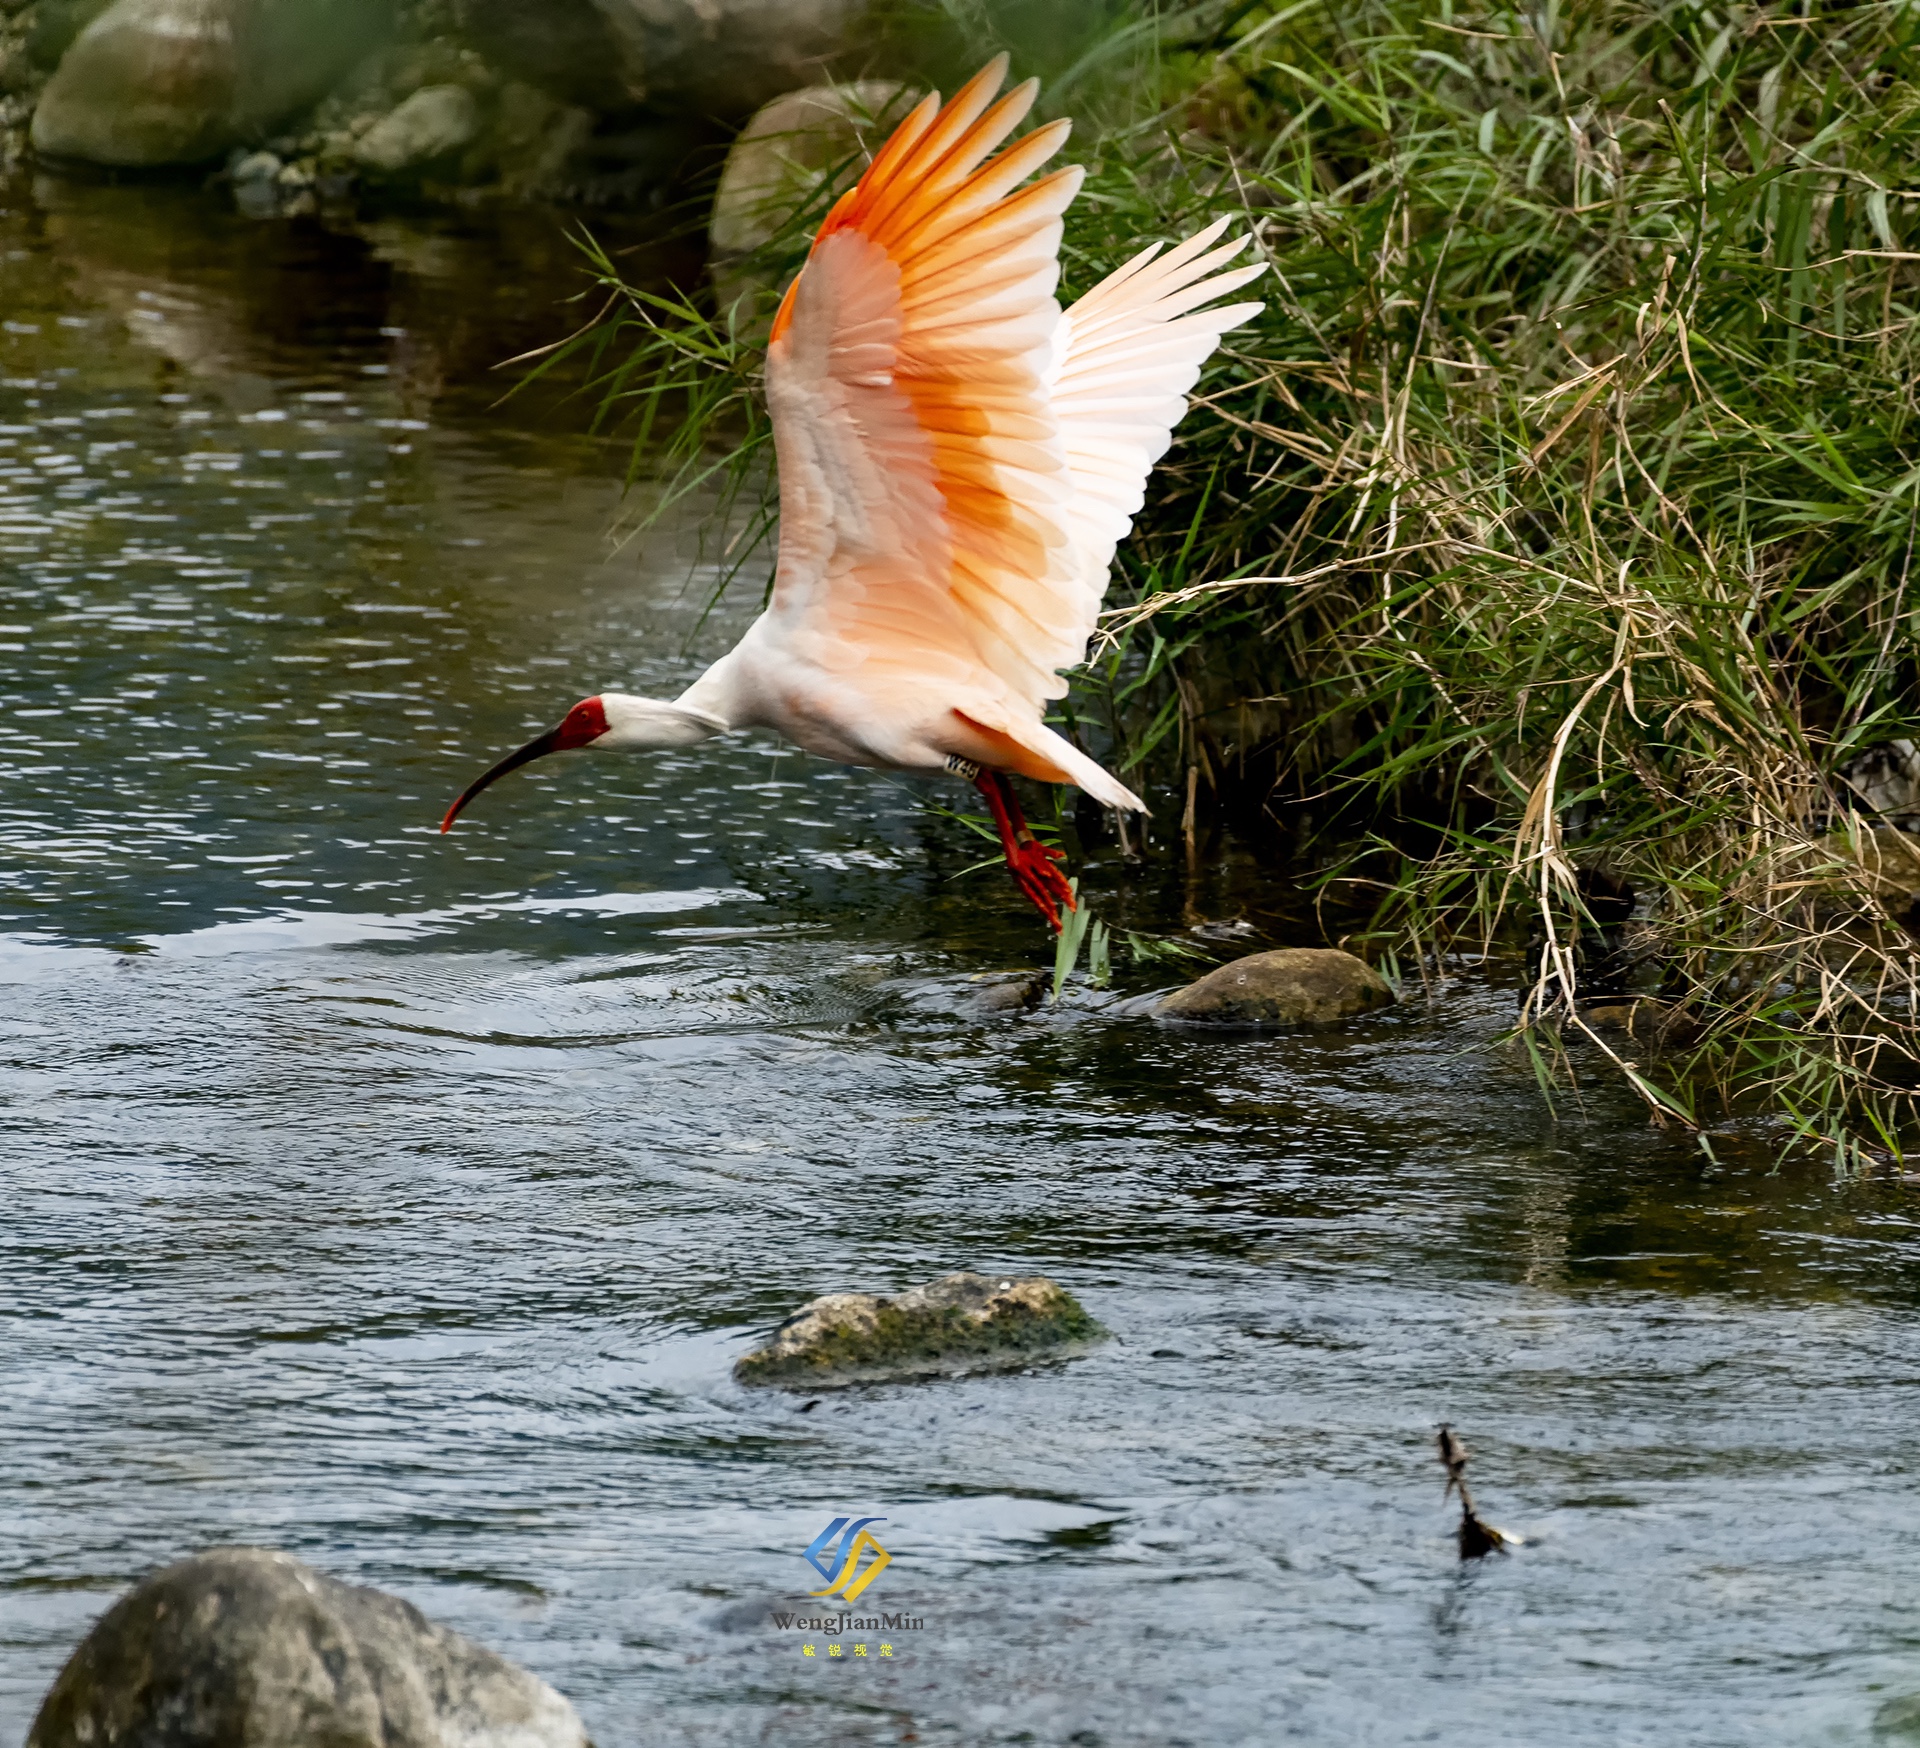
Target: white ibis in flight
(958,459)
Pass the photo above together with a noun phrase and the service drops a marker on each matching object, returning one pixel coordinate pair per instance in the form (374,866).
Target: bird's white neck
(636,724)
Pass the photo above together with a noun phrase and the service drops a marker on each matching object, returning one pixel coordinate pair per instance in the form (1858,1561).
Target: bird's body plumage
(957,459)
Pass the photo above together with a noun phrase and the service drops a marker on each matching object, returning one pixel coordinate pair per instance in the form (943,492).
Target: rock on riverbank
(1295,986)
(244,1646)
(795,153)
(960,1323)
(780,157)
(559,98)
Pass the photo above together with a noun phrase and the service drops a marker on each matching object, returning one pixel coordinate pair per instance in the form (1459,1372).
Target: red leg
(1034,867)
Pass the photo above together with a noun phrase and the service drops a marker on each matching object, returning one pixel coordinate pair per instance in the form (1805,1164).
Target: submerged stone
(1899,1718)
(1007,994)
(1645,1018)
(247,1648)
(1295,986)
(960,1323)
(256,183)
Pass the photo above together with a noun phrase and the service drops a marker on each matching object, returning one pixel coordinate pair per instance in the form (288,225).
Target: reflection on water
(401,1201)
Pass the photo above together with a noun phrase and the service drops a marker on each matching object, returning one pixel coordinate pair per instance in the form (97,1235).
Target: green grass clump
(1576,445)
(1552,531)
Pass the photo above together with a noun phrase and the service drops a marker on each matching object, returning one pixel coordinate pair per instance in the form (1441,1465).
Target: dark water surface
(402,1202)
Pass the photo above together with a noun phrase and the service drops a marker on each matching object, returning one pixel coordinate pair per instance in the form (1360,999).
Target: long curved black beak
(536,748)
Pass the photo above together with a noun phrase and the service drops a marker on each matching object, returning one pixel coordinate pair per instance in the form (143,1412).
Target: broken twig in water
(1477,1537)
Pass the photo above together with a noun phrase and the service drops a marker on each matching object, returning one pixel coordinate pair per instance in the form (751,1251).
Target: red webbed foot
(1034,867)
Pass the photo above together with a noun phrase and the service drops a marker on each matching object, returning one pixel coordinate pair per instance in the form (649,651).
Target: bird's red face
(584,724)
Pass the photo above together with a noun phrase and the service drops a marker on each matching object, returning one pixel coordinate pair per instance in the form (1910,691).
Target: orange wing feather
(906,371)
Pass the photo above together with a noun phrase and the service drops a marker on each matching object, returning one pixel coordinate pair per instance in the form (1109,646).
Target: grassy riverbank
(1542,554)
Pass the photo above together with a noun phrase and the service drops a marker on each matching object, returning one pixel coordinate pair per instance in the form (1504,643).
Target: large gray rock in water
(147,82)
(179,81)
(1296,986)
(960,1323)
(244,1648)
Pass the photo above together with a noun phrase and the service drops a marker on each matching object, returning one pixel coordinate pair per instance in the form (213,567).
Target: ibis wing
(922,479)
(957,459)
(1128,353)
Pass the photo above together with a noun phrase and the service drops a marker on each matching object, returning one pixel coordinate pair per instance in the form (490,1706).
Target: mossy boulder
(1295,986)
(960,1323)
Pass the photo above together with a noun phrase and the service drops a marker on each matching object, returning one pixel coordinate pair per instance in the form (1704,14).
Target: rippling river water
(402,1201)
